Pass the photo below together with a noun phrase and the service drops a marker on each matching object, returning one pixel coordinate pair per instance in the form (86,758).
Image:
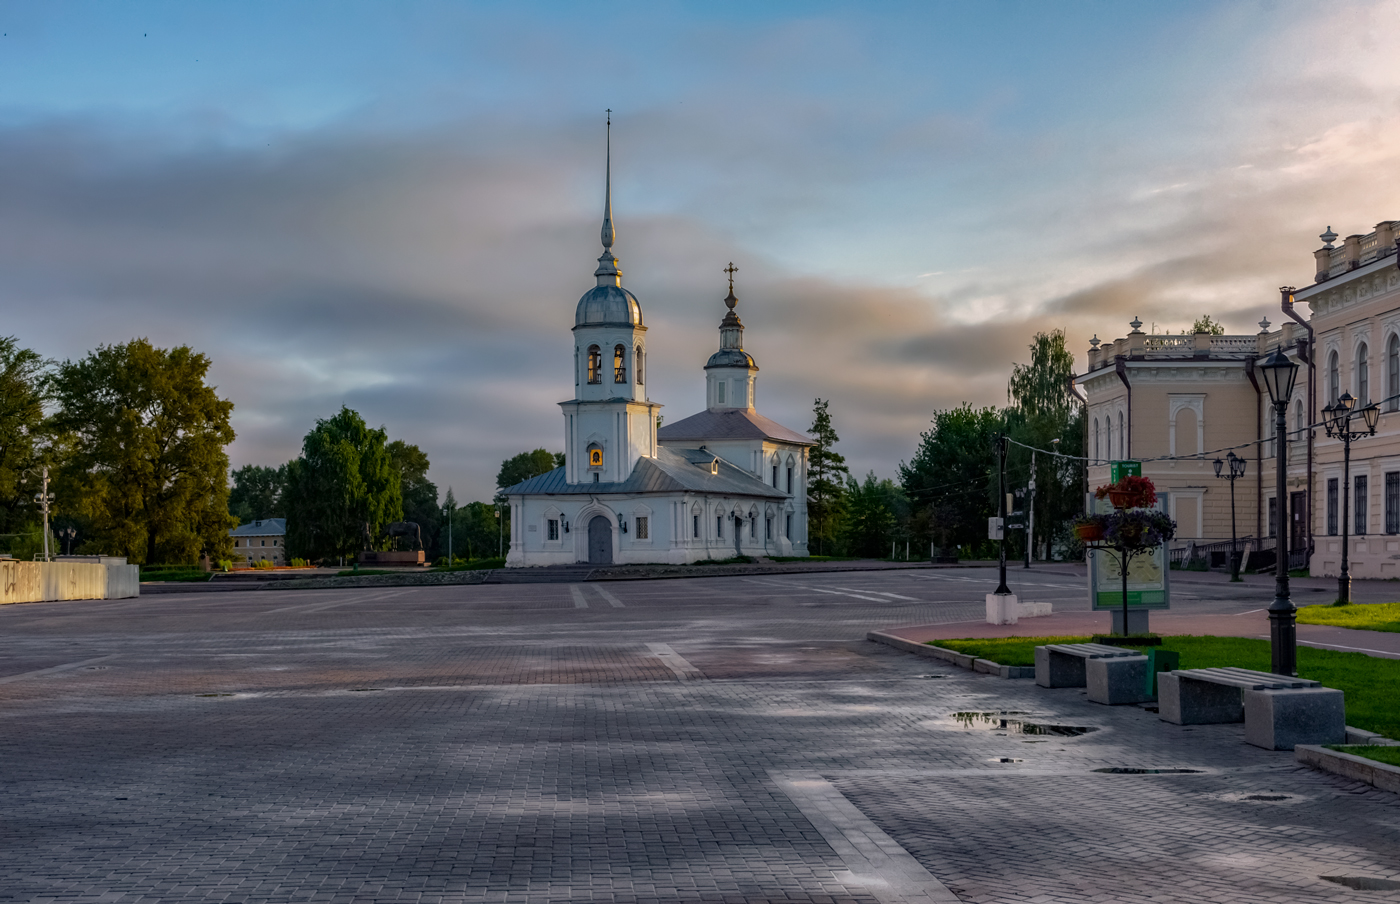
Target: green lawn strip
(1365,616)
(1371,684)
(473,565)
(1003,650)
(1381,754)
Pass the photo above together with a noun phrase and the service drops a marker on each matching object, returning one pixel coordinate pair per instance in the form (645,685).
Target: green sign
(1117,470)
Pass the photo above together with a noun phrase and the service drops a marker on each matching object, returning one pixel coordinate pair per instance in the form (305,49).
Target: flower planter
(1089,533)
(1122,499)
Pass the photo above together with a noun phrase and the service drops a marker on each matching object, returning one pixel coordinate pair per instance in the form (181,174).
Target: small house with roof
(261,541)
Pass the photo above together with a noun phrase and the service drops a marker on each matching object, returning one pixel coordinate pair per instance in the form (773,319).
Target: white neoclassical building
(724,482)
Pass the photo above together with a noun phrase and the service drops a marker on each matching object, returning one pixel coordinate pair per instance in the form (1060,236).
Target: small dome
(608,304)
(731,357)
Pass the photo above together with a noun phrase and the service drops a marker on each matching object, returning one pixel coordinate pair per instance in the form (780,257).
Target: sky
(395,206)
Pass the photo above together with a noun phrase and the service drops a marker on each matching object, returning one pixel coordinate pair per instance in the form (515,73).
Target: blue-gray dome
(731,357)
(608,304)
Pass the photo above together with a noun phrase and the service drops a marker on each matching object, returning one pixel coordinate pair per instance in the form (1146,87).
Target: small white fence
(33,582)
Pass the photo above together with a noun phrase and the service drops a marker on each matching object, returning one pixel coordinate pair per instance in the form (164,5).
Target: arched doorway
(600,551)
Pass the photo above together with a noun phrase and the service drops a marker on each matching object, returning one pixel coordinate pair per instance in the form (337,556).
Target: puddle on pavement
(1267,796)
(1133,770)
(1364,883)
(1005,721)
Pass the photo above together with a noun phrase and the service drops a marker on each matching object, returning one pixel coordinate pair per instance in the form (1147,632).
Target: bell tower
(731,374)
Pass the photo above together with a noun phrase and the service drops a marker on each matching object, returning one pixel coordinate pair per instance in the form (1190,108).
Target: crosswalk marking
(579,601)
(612,600)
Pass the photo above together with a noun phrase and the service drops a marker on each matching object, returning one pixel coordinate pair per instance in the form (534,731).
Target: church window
(595,477)
(775,477)
(719,527)
(620,364)
(753,527)
(788,527)
(637,359)
(789,480)
(768,528)
(552,527)
(719,392)
(695,526)
(595,364)
(643,528)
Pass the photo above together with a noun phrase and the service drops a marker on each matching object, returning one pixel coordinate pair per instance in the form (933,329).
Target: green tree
(147,468)
(826,469)
(476,530)
(876,515)
(257,493)
(419,494)
(526,465)
(24,436)
(1206,324)
(951,479)
(343,484)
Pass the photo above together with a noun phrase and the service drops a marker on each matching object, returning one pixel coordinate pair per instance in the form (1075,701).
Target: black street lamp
(1235,472)
(1279,375)
(1336,420)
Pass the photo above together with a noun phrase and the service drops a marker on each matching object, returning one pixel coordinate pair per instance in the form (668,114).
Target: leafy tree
(476,530)
(825,470)
(147,468)
(343,481)
(24,437)
(877,513)
(1041,388)
(526,465)
(1206,324)
(419,494)
(257,493)
(951,479)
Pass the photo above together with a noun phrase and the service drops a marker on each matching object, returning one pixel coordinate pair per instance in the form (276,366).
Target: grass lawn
(474,565)
(1366,616)
(1371,685)
(1388,755)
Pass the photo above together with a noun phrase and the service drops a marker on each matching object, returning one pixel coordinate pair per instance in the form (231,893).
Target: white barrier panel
(33,582)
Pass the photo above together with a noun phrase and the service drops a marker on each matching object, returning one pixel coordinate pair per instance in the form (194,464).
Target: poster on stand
(1149,584)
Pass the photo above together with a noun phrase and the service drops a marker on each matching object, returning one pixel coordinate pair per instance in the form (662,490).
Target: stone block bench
(1112,674)
(1278,712)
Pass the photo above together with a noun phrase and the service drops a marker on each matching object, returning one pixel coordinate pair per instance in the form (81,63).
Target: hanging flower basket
(1130,492)
(1122,498)
(1089,532)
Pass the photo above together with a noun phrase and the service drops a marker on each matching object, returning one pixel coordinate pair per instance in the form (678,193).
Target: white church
(727,481)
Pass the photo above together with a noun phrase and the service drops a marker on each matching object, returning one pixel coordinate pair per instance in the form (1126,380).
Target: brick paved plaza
(696,740)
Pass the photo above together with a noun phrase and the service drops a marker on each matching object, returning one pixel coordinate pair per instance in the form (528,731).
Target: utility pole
(1002,589)
(45,499)
(1030,513)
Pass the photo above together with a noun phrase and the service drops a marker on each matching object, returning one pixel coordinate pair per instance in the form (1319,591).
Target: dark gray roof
(672,471)
(731,357)
(729,423)
(267,527)
(608,305)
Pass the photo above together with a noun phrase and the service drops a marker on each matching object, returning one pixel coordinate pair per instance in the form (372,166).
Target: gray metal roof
(672,471)
(729,423)
(608,306)
(267,527)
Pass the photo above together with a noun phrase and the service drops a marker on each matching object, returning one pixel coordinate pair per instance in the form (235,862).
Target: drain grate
(1132,770)
(1364,883)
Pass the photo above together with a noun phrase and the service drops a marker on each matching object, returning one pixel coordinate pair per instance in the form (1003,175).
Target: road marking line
(579,601)
(321,607)
(54,669)
(880,592)
(875,860)
(612,600)
(802,587)
(675,662)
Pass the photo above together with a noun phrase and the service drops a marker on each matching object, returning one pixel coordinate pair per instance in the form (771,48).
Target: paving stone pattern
(498,743)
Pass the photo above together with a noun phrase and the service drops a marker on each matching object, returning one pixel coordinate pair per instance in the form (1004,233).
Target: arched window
(1269,448)
(1299,425)
(1108,438)
(595,364)
(1096,439)
(637,359)
(1122,438)
(1363,375)
(1392,366)
(1334,379)
(620,364)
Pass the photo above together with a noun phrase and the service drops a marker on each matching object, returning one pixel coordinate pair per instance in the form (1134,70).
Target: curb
(1347,765)
(962,660)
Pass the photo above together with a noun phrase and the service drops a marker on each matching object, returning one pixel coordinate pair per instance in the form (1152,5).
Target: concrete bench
(1064,664)
(1278,711)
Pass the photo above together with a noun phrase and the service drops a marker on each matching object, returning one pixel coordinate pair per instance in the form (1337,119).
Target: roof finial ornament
(609,235)
(731,300)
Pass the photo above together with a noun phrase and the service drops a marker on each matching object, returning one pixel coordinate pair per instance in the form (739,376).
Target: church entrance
(600,541)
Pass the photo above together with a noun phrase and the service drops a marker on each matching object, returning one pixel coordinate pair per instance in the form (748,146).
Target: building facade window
(1363,375)
(1392,369)
(620,364)
(643,527)
(1332,503)
(1299,424)
(789,480)
(775,477)
(1097,452)
(719,527)
(637,358)
(1334,378)
(695,525)
(1392,502)
(787,527)
(1122,438)
(1273,516)
(1358,504)
(753,527)
(719,391)
(768,528)
(552,528)
(595,364)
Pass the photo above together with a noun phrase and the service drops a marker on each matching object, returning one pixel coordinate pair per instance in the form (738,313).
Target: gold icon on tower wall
(595,458)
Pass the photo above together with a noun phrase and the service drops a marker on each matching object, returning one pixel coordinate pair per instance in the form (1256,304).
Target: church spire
(607,271)
(731,330)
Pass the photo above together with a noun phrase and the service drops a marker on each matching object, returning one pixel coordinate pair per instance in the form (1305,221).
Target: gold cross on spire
(731,270)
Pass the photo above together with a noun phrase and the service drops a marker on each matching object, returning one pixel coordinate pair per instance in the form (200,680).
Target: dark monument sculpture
(406,529)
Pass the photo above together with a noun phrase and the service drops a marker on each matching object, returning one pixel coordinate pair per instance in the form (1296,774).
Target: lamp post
(1279,376)
(1002,589)
(1337,422)
(1234,472)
